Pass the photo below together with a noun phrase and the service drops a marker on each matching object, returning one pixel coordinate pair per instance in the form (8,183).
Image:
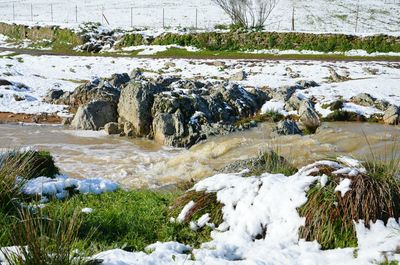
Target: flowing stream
(138,163)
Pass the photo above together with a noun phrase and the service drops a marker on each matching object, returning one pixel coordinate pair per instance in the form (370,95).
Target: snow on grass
(344,186)
(310,15)
(267,205)
(40,74)
(154,49)
(59,186)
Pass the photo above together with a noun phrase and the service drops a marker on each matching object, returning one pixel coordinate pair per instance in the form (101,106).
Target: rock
(112,128)
(119,80)
(364,99)
(18,97)
(135,105)
(392,115)
(4,82)
(168,128)
(135,74)
(66,121)
(284,93)
(335,77)
(287,127)
(336,105)
(239,76)
(53,95)
(95,115)
(367,100)
(307,84)
(308,116)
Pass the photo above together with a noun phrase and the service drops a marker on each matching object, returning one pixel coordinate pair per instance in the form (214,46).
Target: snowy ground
(40,74)
(310,15)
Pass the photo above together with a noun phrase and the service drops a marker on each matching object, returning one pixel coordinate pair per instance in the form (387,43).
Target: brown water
(141,163)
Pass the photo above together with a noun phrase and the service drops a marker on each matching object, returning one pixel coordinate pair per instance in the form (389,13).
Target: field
(314,16)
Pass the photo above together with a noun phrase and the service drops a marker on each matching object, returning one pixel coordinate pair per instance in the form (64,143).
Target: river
(140,163)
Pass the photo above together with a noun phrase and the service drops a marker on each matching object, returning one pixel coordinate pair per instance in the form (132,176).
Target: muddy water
(141,163)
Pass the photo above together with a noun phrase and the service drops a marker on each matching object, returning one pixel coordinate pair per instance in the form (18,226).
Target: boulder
(112,128)
(364,99)
(53,95)
(285,93)
(335,77)
(169,128)
(288,127)
(135,105)
(4,82)
(308,116)
(239,76)
(392,115)
(95,115)
(307,83)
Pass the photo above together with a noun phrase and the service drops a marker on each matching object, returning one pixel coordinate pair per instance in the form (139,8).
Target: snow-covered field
(40,74)
(269,203)
(310,15)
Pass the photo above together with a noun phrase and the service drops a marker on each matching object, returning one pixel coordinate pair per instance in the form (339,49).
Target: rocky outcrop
(96,90)
(95,115)
(180,112)
(392,115)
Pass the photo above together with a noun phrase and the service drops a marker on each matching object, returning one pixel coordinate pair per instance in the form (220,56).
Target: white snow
(67,72)
(344,186)
(87,210)
(310,15)
(267,205)
(48,187)
(181,217)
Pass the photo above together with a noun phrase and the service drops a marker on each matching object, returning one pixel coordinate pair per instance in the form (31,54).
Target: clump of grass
(342,115)
(271,116)
(374,195)
(266,162)
(45,239)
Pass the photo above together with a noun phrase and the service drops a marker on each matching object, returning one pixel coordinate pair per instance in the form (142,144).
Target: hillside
(316,16)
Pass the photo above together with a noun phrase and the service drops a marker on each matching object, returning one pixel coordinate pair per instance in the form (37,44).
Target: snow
(87,210)
(181,217)
(57,187)
(344,186)
(274,106)
(310,15)
(62,72)
(153,49)
(266,205)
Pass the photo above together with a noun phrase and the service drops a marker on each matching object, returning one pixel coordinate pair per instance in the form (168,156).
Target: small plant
(45,239)
(374,195)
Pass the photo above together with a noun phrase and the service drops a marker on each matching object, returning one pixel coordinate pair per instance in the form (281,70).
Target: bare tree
(248,13)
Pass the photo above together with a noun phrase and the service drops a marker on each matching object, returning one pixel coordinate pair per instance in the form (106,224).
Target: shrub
(374,195)
(32,164)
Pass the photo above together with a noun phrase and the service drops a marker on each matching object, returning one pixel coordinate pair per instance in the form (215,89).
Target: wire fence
(119,16)
(351,17)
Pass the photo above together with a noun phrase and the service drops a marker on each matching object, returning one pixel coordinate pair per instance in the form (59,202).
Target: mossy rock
(342,115)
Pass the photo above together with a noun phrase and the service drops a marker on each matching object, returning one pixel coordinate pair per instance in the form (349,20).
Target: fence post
(51,11)
(76,13)
(163,17)
(13,11)
(32,12)
(293,19)
(358,10)
(196,19)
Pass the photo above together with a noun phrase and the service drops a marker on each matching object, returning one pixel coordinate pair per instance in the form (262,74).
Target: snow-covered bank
(380,79)
(268,205)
